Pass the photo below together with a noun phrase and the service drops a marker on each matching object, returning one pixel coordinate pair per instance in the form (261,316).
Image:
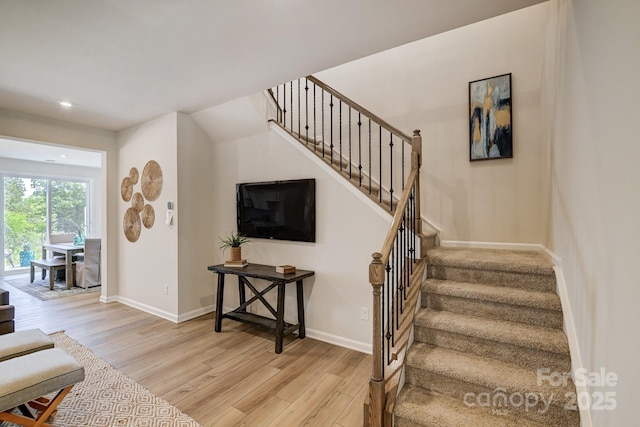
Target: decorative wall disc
(148,216)
(151,180)
(126,189)
(137,202)
(133,175)
(131,225)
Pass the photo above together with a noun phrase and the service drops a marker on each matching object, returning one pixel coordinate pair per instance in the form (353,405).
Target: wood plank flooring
(231,378)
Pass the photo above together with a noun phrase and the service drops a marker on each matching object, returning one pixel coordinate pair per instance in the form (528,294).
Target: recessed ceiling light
(64,156)
(66,104)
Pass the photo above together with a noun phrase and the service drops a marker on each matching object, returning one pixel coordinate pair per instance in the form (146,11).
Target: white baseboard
(494,245)
(148,309)
(108,300)
(572,336)
(362,347)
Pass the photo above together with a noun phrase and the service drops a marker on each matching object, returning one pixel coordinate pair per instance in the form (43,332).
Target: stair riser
(532,282)
(430,241)
(403,422)
(494,310)
(521,356)
(555,415)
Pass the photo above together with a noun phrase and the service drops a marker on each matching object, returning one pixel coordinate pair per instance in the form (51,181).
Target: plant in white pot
(233,242)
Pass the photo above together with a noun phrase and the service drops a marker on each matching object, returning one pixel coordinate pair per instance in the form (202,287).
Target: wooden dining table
(67,249)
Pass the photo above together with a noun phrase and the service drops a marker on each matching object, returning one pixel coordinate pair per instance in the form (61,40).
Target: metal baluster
(380,159)
(370,190)
(278,111)
(291,104)
(389,308)
(391,172)
(402,176)
(359,150)
(331,136)
(315,129)
(340,133)
(284,99)
(350,161)
(323,144)
(306,110)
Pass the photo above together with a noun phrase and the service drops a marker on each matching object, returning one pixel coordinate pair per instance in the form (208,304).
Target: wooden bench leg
(52,276)
(33,273)
(48,408)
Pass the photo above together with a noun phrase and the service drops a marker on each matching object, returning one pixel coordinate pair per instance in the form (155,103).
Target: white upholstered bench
(24,380)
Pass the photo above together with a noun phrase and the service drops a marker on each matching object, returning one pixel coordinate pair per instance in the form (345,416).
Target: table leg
(219,298)
(300,297)
(68,277)
(241,293)
(280,318)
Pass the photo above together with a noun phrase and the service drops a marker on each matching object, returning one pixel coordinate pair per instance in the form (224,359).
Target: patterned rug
(108,398)
(40,288)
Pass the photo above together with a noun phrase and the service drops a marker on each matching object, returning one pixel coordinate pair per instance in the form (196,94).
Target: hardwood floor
(231,378)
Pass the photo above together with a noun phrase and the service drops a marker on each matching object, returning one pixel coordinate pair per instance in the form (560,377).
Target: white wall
(424,85)
(347,232)
(593,93)
(150,263)
(197,239)
(39,129)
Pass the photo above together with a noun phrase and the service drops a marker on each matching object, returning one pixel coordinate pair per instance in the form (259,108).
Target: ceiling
(123,62)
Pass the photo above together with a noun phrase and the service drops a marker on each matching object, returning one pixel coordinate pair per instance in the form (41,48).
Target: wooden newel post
(416,148)
(375,414)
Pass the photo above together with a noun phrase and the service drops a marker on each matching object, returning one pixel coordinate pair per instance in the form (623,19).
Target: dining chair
(88,269)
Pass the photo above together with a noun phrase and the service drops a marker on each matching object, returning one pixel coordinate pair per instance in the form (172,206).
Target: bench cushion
(23,342)
(28,377)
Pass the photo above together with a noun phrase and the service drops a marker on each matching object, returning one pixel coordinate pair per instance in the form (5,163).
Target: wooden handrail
(360,108)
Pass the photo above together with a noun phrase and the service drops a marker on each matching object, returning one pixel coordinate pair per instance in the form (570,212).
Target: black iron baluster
(279,111)
(331,133)
(315,129)
(340,133)
(359,150)
(306,110)
(391,171)
(291,105)
(388,309)
(380,159)
(402,169)
(323,144)
(299,111)
(284,101)
(350,161)
(370,190)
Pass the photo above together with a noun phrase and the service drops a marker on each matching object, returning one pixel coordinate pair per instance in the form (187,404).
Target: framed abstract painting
(490,123)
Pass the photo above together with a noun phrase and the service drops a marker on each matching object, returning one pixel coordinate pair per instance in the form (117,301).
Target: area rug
(40,288)
(108,398)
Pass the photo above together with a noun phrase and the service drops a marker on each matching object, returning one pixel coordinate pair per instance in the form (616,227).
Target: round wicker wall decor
(151,180)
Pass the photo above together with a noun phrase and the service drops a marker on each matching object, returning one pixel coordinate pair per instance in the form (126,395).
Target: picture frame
(490,118)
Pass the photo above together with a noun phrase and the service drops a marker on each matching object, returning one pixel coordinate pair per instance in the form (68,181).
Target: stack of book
(240,263)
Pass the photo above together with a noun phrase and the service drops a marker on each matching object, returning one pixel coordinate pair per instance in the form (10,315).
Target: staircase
(489,320)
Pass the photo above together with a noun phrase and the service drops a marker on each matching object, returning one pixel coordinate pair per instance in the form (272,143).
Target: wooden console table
(240,314)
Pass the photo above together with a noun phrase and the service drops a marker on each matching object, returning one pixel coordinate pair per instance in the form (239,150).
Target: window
(35,207)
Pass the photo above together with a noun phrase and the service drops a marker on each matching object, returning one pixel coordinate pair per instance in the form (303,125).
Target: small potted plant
(233,242)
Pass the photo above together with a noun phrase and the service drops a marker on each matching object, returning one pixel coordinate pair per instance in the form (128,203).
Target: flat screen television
(281,210)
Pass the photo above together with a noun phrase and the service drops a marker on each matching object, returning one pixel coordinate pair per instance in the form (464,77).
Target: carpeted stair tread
(519,334)
(532,262)
(424,408)
(512,296)
(485,372)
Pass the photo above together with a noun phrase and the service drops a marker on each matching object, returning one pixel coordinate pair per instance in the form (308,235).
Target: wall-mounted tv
(281,210)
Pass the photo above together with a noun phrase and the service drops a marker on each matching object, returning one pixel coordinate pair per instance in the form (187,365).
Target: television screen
(282,210)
